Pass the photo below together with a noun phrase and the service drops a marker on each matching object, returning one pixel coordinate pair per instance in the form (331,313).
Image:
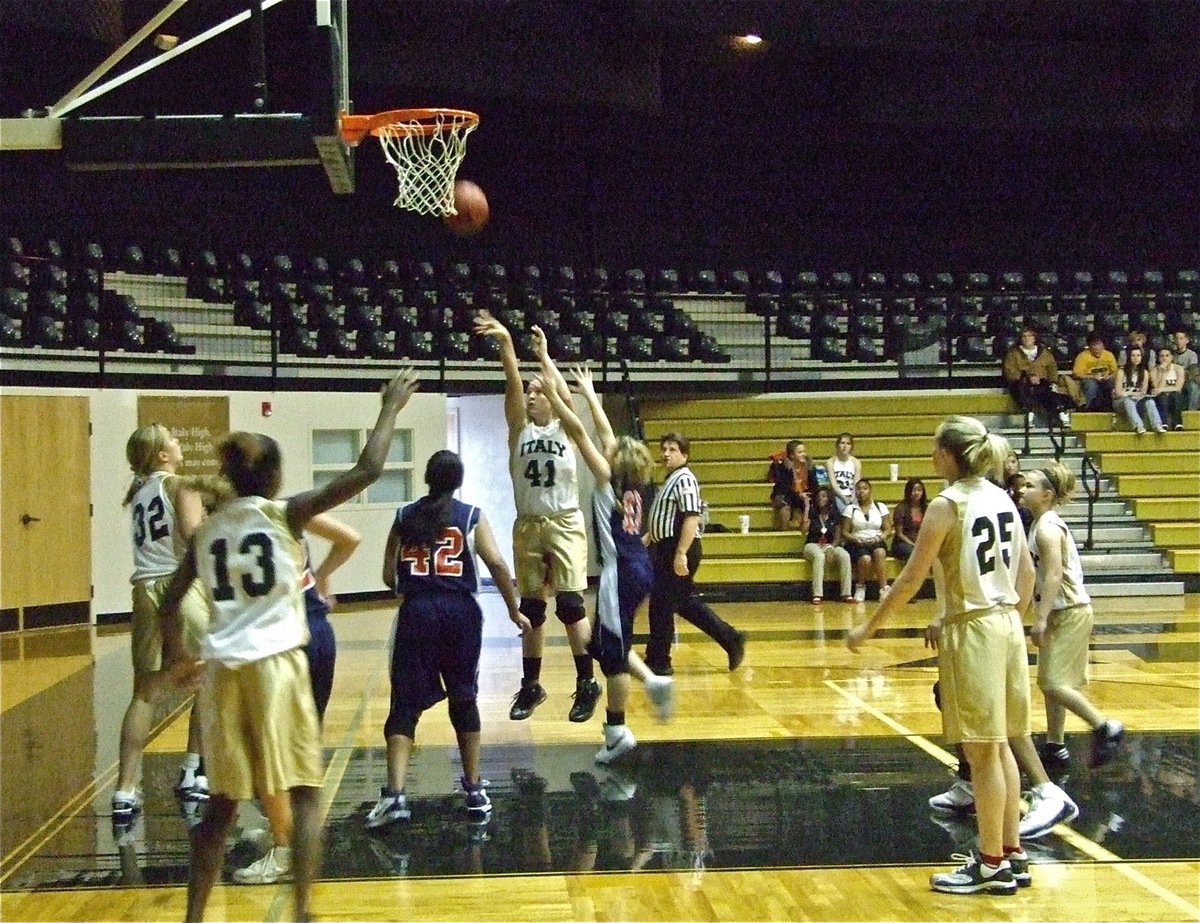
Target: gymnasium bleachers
(1141,544)
(665,321)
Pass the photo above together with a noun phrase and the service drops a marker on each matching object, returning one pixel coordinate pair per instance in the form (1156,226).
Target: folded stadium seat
(82,332)
(422,276)
(1045,281)
(864,349)
(839,282)
(47,303)
(41,330)
(168,261)
(665,281)
(80,304)
(453,345)
(48,276)
(968,314)
(91,255)
(596,279)
(1002,343)
(634,280)
(359,315)
(485,348)
(239,289)
(317,269)
(565,347)
(372,343)
(615,323)
(866,320)
(526,299)
(676,321)
(1187,280)
(764,304)
(241,266)
(943,282)
(578,322)
(1151,280)
(1037,310)
(768,281)
(53,251)
(281,267)
(806,281)
(561,301)
(874,282)
(1011,281)
(930,306)
(333,341)
(388,275)
(355,295)
(1144,313)
(458,277)
(550,321)
(972,349)
(1003,313)
(830,323)
(830,347)
(10,332)
(648,322)
(672,348)
(529,277)
(492,300)
(562,279)
(1073,323)
(523,343)
(250,312)
(737,281)
(353,272)
(511,317)
(325,316)
(595,347)
(636,348)
(910,282)
(794,326)
(462,307)
(123,334)
(629,302)
(704,346)
(133,259)
(977,282)
(16,275)
(492,277)
(704,282)
(596,302)
(160,336)
(398,317)
(14,248)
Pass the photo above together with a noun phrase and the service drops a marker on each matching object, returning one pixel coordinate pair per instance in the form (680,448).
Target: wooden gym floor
(792,789)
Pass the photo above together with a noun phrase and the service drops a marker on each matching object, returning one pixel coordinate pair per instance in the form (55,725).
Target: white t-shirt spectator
(866,525)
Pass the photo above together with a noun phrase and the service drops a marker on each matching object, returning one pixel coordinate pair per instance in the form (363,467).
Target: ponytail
(425,520)
(975,451)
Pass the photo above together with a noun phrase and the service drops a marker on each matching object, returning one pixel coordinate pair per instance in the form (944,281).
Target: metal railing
(1093,493)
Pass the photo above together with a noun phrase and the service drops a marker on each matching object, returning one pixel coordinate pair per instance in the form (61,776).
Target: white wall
(481,439)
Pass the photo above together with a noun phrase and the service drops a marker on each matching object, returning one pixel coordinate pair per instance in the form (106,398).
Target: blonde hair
(976,451)
(141,451)
(631,464)
(1060,480)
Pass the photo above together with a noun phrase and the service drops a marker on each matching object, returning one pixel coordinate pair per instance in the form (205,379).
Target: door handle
(26,519)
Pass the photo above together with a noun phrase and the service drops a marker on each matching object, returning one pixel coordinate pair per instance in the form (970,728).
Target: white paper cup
(744,524)
(894,471)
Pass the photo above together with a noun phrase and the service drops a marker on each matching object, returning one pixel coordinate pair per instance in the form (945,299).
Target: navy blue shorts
(321,649)
(435,651)
(633,580)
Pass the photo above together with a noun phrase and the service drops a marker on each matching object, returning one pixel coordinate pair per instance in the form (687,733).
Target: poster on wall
(198,423)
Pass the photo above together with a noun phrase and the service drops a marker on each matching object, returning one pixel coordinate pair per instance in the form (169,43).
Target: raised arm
(303,507)
(342,544)
(573,426)
(514,390)
(585,387)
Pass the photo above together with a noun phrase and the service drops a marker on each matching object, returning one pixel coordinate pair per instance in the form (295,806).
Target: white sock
(191,761)
(613,733)
(126,796)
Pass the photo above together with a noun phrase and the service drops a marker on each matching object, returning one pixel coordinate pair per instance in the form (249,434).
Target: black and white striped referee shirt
(679,495)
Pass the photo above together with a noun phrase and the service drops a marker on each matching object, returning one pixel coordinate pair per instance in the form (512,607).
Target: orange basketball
(472,207)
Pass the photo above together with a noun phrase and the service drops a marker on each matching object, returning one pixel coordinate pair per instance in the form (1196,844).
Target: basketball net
(426,155)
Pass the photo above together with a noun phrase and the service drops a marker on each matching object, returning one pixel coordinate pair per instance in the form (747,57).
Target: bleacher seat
(41,330)
(806,281)
(839,281)
(316,270)
(596,279)
(206,264)
(704,281)
(82,332)
(10,333)
(458,276)
(492,277)
(977,282)
(16,275)
(738,282)
(388,275)
(874,282)
(562,279)
(241,266)
(634,280)
(769,282)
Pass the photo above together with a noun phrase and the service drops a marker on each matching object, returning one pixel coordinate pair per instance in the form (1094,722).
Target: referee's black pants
(672,593)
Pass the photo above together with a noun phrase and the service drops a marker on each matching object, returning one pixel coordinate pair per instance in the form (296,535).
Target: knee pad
(569,607)
(403,724)
(534,610)
(464,716)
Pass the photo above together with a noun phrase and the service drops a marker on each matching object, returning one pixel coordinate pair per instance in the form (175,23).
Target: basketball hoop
(425,146)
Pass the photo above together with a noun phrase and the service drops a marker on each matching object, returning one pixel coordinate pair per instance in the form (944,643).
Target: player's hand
(1038,631)
(857,636)
(397,391)
(583,380)
(540,347)
(524,626)
(933,633)
(488,326)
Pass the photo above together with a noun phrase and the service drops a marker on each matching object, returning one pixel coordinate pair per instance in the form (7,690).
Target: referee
(674,536)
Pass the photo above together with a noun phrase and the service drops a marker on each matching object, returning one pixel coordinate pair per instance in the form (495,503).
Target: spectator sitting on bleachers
(1095,369)
(843,471)
(1132,392)
(1032,378)
(907,517)
(1166,384)
(867,529)
(790,486)
(823,545)
(1186,359)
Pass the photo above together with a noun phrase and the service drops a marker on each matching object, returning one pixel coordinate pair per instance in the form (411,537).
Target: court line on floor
(73,805)
(1089,848)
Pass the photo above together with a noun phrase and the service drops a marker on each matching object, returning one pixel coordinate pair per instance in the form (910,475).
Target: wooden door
(45,502)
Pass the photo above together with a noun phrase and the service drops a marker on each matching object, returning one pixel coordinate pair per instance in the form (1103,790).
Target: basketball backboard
(249,136)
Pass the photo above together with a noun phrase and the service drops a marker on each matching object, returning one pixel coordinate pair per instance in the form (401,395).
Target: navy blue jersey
(449,566)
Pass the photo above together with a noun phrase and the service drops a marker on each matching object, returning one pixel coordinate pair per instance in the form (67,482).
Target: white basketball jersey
(543,471)
(156,550)
(981,555)
(252,568)
(1072,592)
